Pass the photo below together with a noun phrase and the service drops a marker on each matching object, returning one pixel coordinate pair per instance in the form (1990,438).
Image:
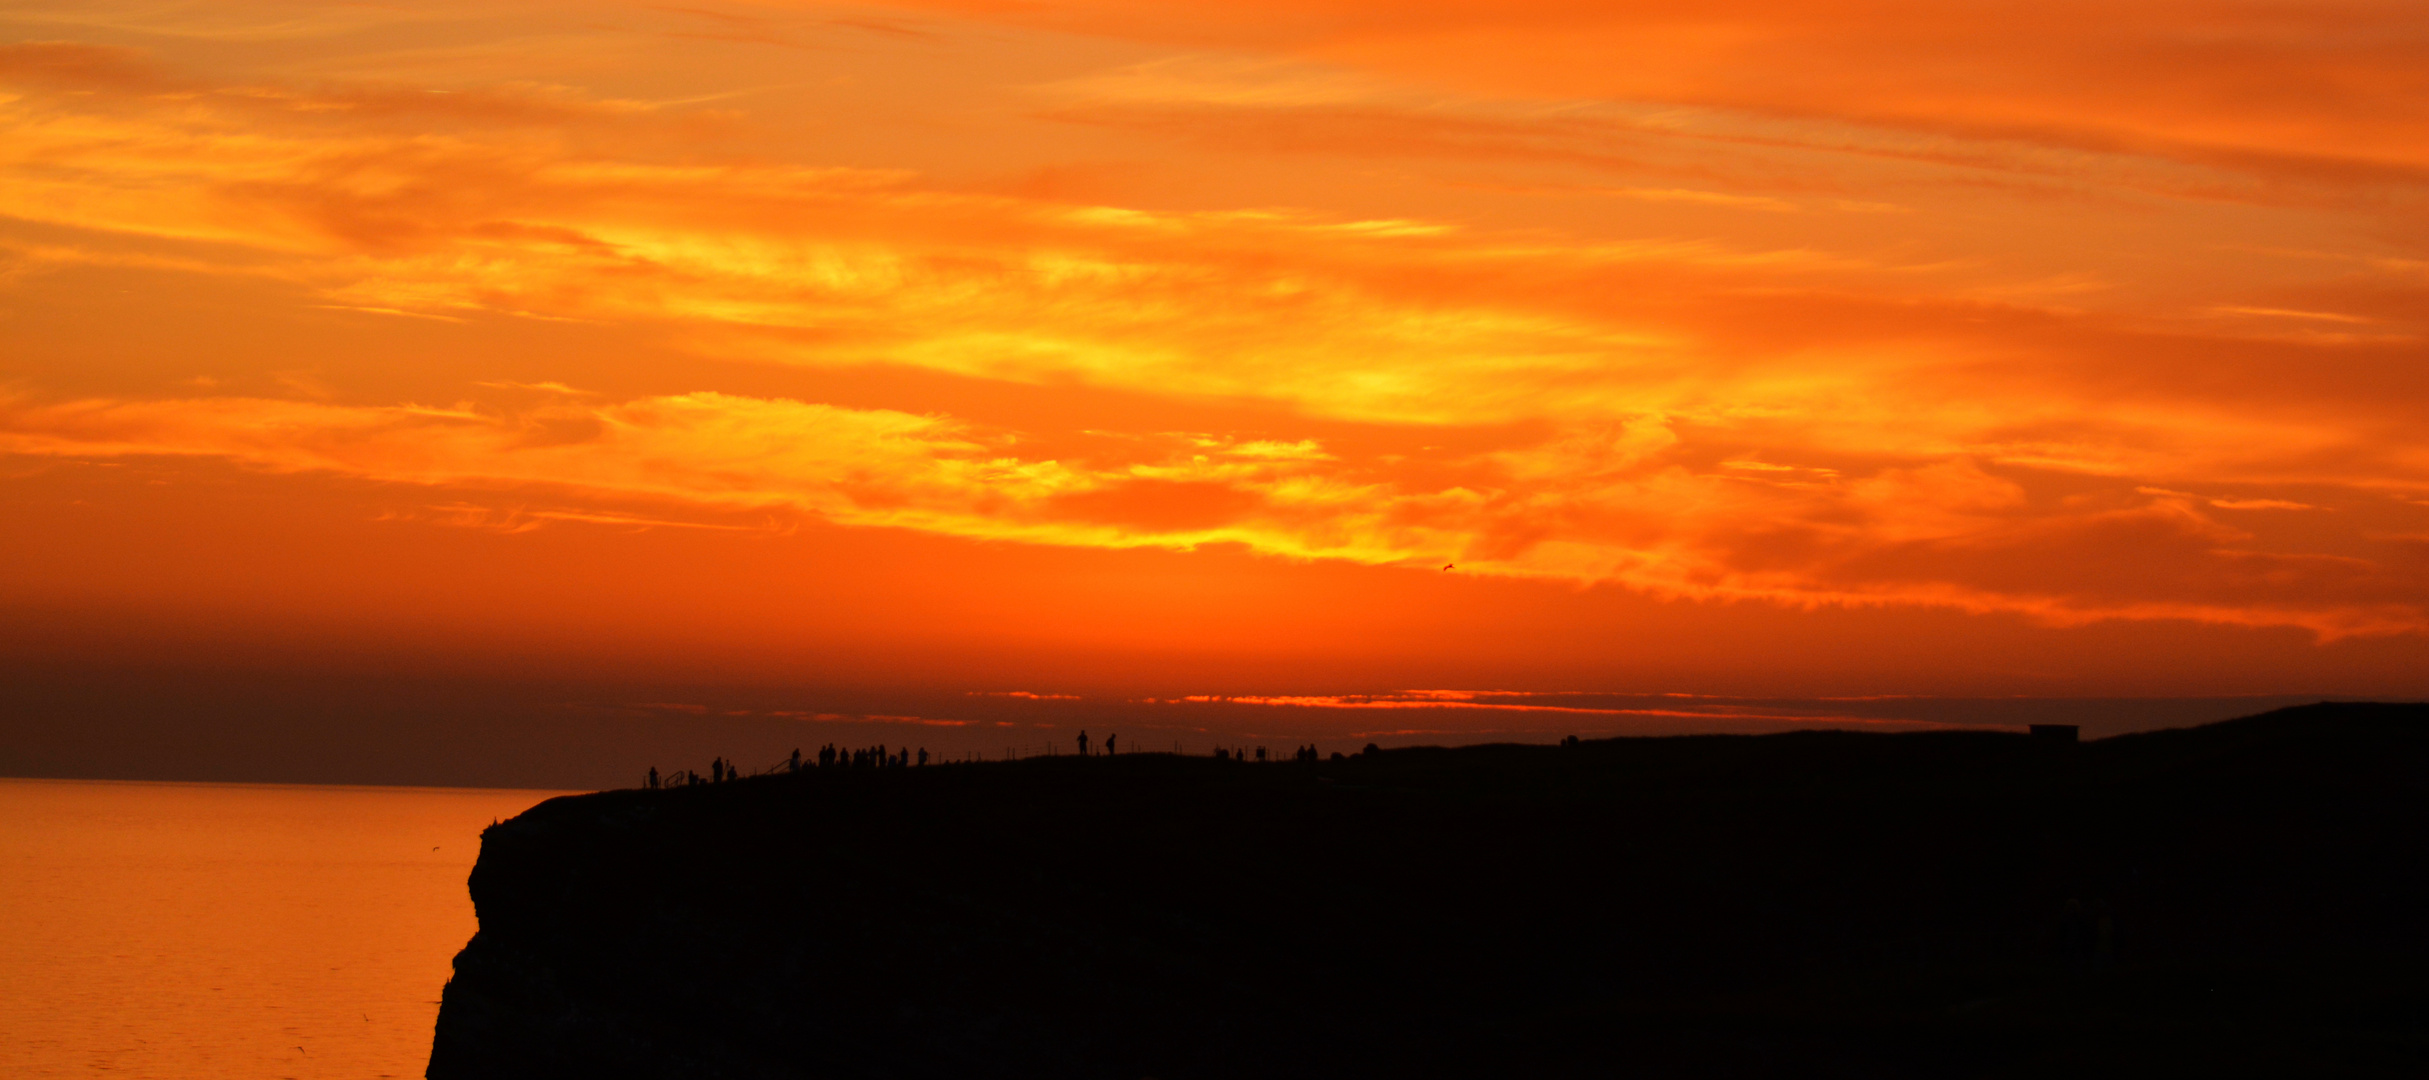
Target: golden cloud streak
(1948,535)
(1813,409)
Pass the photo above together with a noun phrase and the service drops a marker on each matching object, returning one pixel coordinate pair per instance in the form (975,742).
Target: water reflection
(188,931)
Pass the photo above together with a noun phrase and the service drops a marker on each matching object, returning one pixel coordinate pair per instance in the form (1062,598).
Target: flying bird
(1447,566)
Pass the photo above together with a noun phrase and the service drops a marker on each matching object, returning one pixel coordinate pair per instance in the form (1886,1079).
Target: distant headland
(2243,898)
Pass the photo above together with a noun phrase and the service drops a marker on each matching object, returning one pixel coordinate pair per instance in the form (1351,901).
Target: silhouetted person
(1083,744)
(2079,933)
(653,778)
(923,755)
(716,770)
(1109,743)
(796,759)
(2104,935)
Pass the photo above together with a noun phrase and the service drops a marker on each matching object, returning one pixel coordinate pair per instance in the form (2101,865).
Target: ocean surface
(192,931)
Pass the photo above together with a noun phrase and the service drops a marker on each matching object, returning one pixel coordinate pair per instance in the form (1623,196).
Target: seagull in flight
(1447,566)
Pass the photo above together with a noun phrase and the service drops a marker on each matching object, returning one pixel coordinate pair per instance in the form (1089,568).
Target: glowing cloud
(1917,305)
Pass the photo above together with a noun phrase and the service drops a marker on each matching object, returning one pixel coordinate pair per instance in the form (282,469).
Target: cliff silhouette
(2243,898)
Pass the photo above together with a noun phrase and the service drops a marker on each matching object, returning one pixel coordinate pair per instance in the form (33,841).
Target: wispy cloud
(1515,306)
(1951,535)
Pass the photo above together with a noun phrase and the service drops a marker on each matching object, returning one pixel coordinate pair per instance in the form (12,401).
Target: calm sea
(189,931)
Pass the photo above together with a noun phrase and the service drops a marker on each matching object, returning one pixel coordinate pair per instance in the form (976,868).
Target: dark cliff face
(2246,898)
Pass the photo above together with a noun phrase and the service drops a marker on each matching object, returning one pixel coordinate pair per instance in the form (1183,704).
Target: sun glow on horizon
(2055,321)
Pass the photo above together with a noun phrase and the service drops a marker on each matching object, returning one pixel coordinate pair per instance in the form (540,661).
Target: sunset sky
(896,360)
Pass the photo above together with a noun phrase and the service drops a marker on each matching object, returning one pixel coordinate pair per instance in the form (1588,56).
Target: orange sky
(1780,348)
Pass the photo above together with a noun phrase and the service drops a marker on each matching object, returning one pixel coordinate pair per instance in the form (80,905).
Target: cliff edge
(2245,898)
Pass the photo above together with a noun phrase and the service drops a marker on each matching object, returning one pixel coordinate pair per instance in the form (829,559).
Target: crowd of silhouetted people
(1298,753)
(831,756)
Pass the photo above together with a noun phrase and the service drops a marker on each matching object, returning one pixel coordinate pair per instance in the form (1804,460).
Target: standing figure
(1109,743)
(1083,744)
